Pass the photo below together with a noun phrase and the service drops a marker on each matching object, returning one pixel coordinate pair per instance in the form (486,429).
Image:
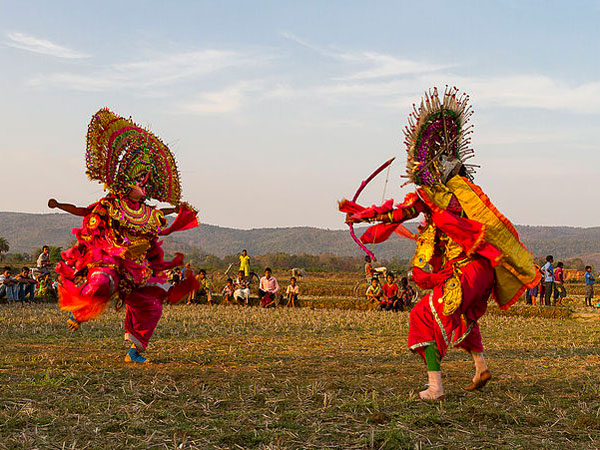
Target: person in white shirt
(242,291)
(43,261)
(268,289)
(9,285)
(292,292)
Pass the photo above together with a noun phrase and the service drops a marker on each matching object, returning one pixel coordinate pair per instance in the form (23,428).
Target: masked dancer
(466,250)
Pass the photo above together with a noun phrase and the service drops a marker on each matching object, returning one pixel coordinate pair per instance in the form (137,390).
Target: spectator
(589,286)
(292,292)
(9,285)
(186,272)
(227,292)
(43,261)
(369,272)
(26,285)
(406,295)
(47,288)
(203,290)
(175,276)
(531,295)
(245,263)
(390,294)
(242,289)
(559,284)
(268,289)
(548,270)
(187,269)
(374,293)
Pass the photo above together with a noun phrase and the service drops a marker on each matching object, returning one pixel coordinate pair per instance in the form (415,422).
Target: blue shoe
(134,357)
(73,323)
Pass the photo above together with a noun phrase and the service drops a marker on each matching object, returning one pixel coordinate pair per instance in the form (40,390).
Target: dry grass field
(233,378)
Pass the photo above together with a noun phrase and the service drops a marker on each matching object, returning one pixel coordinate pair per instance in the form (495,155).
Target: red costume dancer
(466,250)
(118,254)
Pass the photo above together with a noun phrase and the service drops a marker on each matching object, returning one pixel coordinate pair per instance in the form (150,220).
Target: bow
(358,191)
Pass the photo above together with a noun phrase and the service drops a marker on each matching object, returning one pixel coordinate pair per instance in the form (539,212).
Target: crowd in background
(25,285)
(382,289)
(237,291)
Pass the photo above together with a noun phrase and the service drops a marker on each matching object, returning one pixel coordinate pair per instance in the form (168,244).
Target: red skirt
(429,325)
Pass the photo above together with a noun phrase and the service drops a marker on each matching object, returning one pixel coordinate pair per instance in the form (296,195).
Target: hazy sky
(277,109)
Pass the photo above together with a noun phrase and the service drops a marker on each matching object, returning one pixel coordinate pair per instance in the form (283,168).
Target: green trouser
(432,358)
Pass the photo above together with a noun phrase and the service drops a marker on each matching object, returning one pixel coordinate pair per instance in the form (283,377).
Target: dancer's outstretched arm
(67,207)
(167,211)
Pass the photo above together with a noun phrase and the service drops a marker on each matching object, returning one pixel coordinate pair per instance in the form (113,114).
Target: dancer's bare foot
(479,381)
(435,391)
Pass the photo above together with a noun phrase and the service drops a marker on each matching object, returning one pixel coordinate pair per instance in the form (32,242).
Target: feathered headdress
(119,152)
(437,138)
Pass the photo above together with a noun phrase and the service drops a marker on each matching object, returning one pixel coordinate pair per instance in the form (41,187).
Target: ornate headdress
(119,152)
(436,138)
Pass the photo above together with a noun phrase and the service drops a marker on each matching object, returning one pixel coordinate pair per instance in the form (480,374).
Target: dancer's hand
(52,203)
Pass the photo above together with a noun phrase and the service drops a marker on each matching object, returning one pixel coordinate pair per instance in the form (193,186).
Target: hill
(26,232)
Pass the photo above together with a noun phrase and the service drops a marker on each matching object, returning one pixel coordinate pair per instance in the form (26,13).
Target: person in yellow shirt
(245,263)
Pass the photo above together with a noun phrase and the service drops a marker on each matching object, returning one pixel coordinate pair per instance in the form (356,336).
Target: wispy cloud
(33,44)
(368,64)
(158,70)
(221,101)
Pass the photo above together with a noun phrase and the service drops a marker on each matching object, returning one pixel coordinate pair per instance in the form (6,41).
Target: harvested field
(229,377)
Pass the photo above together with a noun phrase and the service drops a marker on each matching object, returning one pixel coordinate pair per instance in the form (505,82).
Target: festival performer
(118,253)
(466,250)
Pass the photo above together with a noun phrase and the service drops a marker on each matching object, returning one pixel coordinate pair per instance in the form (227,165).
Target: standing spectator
(242,289)
(26,285)
(9,285)
(187,272)
(559,284)
(374,293)
(531,295)
(589,286)
(548,270)
(227,292)
(187,269)
(406,294)
(268,289)
(43,261)
(390,294)
(245,263)
(368,269)
(292,292)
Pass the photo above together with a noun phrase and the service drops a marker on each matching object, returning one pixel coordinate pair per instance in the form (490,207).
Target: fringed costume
(466,249)
(118,254)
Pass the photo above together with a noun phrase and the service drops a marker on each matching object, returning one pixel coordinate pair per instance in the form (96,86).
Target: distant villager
(466,250)
(298,273)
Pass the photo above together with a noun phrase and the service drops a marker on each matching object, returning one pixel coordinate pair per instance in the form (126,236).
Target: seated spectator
(374,292)
(227,291)
(47,288)
(9,285)
(268,289)
(292,292)
(26,285)
(389,300)
(43,261)
(406,294)
(203,290)
(242,289)
(175,276)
